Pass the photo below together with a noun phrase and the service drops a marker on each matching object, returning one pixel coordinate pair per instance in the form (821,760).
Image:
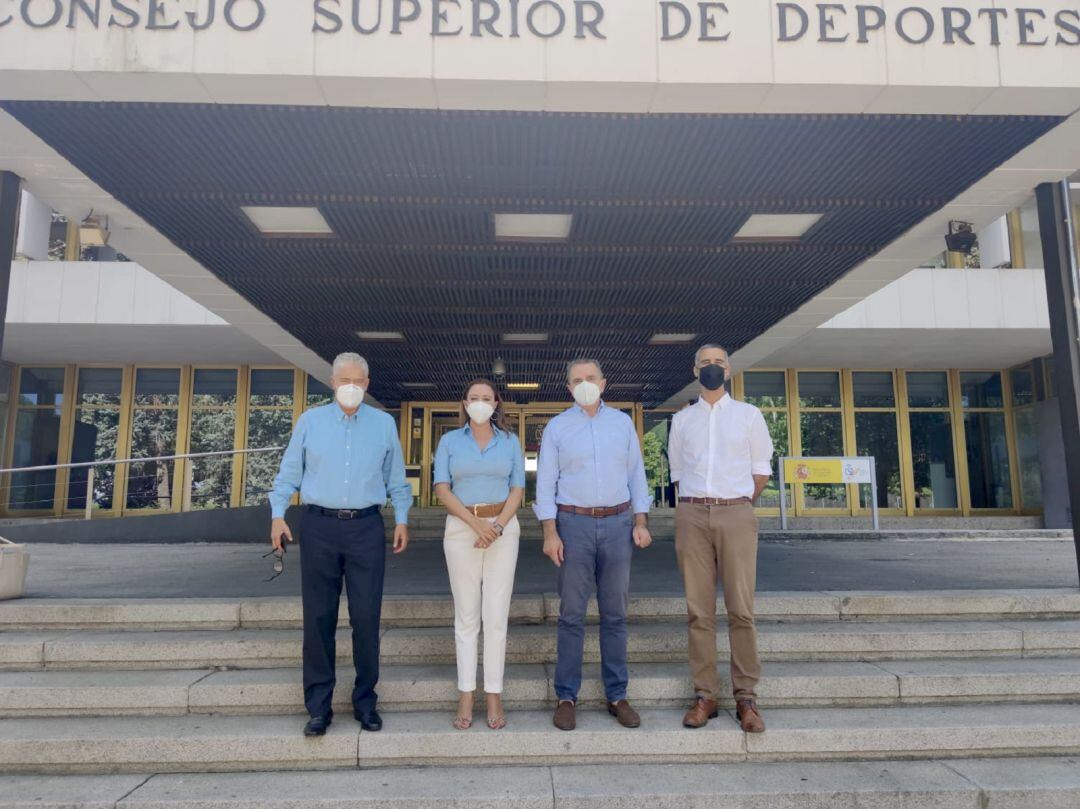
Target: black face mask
(712,377)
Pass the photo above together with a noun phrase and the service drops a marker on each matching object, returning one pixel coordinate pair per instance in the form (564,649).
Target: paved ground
(234,570)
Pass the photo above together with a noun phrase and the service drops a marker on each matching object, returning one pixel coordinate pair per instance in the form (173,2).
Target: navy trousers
(596,553)
(333,551)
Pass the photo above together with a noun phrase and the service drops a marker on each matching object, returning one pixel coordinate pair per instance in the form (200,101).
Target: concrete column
(1063,298)
(9,223)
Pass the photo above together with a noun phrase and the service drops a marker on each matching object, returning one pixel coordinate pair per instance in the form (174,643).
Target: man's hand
(553,548)
(642,537)
(279,534)
(401,538)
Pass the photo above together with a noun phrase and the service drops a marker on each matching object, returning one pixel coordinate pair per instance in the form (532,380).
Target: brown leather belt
(487,510)
(603,511)
(715,501)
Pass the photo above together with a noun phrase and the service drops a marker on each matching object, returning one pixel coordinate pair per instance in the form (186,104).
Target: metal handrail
(112,461)
(185,504)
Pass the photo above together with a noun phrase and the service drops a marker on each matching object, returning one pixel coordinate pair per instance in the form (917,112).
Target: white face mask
(480,412)
(587,393)
(349,396)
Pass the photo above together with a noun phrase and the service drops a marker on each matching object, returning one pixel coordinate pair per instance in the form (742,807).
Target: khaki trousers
(719,543)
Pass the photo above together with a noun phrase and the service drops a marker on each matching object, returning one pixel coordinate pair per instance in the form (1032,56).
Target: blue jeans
(596,552)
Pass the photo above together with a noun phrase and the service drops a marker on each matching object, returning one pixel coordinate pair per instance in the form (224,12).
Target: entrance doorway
(423,424)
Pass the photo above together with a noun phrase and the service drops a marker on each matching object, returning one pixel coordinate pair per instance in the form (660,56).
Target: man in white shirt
(721,457)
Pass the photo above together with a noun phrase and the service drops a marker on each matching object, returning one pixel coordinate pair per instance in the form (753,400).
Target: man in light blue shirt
(593,501)
(344,459)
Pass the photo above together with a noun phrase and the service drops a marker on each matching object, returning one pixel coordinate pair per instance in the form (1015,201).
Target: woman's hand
(485,533)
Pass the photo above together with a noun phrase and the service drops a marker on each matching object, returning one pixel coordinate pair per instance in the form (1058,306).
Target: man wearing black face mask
(721,457)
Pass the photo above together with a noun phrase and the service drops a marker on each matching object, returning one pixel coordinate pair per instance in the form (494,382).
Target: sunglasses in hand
(279,563)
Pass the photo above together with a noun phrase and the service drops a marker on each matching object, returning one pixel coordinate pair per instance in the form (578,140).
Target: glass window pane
(823,436)
(819,389)
(271,387)
(214,387)
(266,428)
(981,389)
(988,460)
(765,388)
(211,478)
(1023,386)
(153,434)
(928,388)
(37,438)
(876,435)
(873,388)
(100,386)
(777,423)
(1027,453)
(318,393)
(932,461)
(1029,225)
(97,430)
(41,386)
(157,386)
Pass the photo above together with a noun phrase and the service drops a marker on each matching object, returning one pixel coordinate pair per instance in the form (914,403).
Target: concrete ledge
(1050,603)
(135,614)
(114,693)
(66,792)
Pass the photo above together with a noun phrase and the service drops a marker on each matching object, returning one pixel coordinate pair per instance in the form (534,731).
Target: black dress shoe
(369,720)
(317,726)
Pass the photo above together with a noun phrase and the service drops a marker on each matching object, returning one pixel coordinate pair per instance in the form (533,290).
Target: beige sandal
(462,722)
(497,721)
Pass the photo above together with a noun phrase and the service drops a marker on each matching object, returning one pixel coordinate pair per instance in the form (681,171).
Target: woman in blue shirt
(480,478)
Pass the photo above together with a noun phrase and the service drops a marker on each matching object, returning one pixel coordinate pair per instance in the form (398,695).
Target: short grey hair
(350,358)
(706,347)
(583,361)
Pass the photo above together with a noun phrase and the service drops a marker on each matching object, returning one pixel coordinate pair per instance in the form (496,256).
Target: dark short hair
(583,361)
(717,346)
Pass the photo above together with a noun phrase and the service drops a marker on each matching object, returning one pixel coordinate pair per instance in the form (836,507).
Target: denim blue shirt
(339,461)
(590,461)
(480,476)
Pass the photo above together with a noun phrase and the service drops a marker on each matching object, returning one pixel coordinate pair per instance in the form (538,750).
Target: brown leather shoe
(748,716)
(700,713)
(564,715)
(626,715)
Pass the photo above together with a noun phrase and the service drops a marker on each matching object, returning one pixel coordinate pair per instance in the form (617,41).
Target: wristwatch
(499,528)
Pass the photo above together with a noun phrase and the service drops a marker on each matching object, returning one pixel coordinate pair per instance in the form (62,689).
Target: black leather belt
(344,513)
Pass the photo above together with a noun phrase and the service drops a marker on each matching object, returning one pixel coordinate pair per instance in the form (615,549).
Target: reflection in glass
(988,460)
(873,388)
(100,386)
(1027,453)
(777,423)
(1023,386)
(765,388)
(823,436)
(214,387)
(654,450)
(933,465)
(876,435)
(36,439)
(157,386)
(211,478)
(928,388)
(981,389)
(318,393)
(819,389)
(271,387)
(266,428)
(43,387)
(97,431)
(153,434)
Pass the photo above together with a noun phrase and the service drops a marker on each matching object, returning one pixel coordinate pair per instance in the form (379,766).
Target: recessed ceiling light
(287,220)
(670,339)
(385,336)
(533,227)
(526,337)
(523,386)
(764,226)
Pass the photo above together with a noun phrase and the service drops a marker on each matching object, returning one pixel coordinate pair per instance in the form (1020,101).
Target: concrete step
(285,612)
(1021,783)
(230,743)
(648,642)
(413,688)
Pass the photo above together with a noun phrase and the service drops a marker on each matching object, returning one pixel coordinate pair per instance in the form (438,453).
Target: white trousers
(482,581)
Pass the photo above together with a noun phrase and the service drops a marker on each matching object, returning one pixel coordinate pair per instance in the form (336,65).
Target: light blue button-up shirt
(480,476)
(591,462)
(339,461)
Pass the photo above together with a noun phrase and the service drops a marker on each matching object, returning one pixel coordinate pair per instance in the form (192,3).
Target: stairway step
(1021,783)
(412,688)
(648,642)
(230,743)
(285,612)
